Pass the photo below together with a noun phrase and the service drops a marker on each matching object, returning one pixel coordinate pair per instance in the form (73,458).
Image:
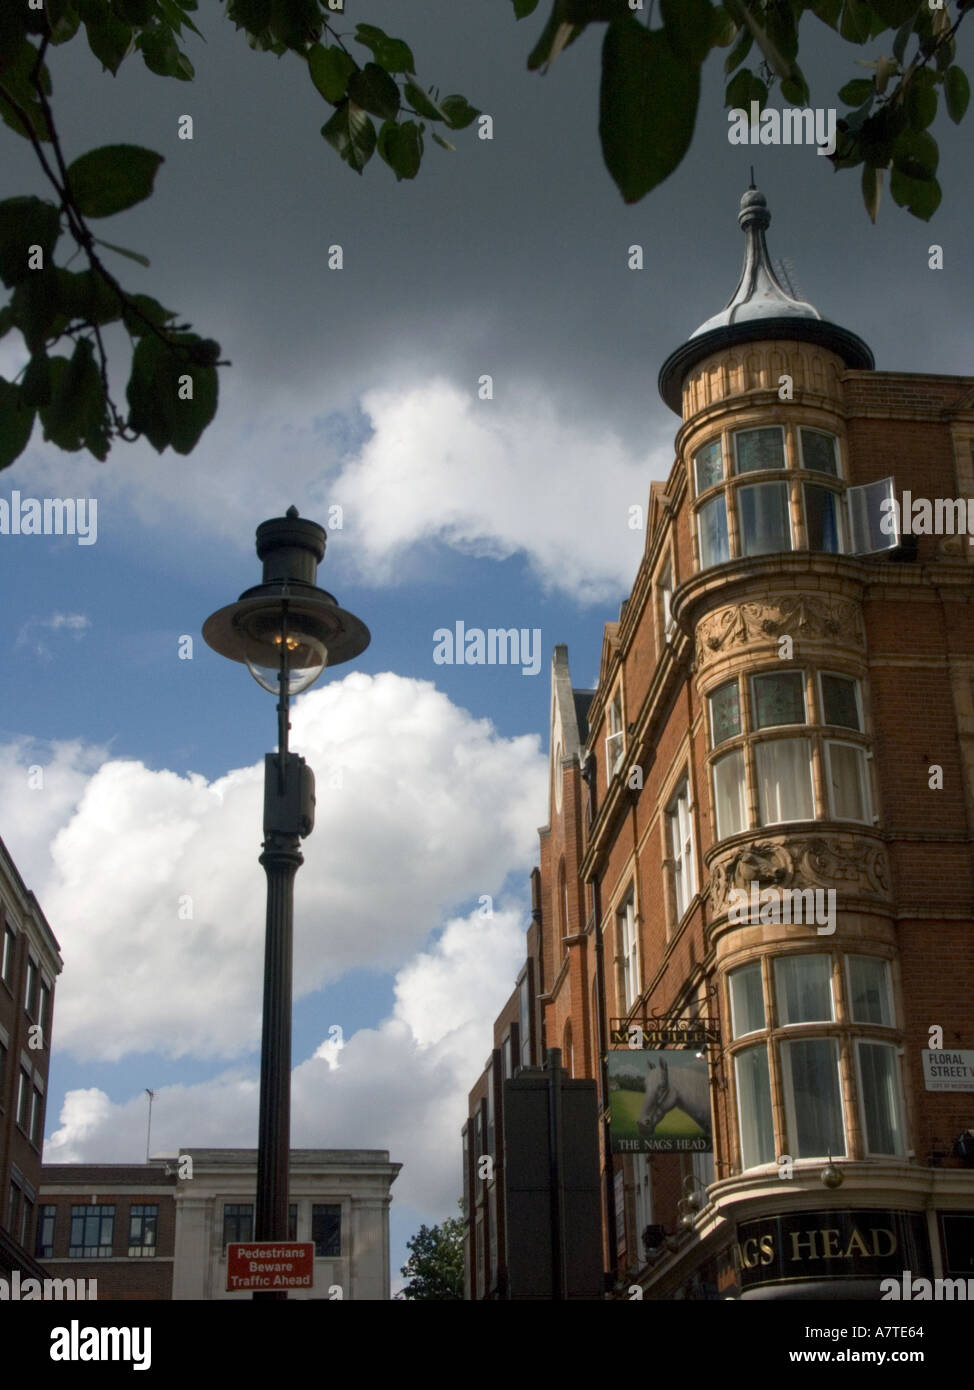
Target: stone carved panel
(848,863)
(813,616)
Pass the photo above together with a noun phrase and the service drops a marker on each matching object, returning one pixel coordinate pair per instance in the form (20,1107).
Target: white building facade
(339,1198)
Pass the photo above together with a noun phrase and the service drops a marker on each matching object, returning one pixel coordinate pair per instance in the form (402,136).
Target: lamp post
(286,630)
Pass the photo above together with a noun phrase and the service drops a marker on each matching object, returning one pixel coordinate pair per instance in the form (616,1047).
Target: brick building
(30,962)
(160,1230)
(758,860)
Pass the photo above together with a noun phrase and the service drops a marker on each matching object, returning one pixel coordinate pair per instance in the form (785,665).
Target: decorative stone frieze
(852,863)
(824,617)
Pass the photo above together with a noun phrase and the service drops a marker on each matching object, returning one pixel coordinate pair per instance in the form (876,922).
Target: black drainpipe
(602,1036)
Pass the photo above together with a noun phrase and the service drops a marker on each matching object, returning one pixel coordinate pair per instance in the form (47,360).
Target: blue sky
(359,388)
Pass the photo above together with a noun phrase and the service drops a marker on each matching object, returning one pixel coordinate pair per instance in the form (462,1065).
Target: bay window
(780,768)
(805,1085)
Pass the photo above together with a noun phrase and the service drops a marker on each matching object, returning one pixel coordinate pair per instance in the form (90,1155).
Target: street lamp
(286,631)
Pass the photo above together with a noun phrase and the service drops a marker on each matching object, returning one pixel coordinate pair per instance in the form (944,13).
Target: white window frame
(844,676)
(735,1035)
(850,956)
(628,943)
(759,729)
(788,1090)
(837,452)
(759,429)
(779,482)
(863,764)
(897,1097)
(841,516)
(679,835)
(766,820)
(721,497)
(665,586)
(723,832)
(615,750)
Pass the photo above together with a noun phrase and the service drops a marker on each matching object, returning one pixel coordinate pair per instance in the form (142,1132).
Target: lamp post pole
(286,630)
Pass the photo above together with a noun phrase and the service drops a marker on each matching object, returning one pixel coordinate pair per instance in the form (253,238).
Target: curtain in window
(880,1098)
(822,519)
(765,527)
(754,1106)
(784,771)
(847,781)
(712,530)
(729,793)
(803,987)
(812,1098)
(869,990)
(747,1000)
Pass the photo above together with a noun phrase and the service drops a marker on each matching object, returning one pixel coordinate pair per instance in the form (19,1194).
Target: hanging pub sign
(659,1030)
(659,1102)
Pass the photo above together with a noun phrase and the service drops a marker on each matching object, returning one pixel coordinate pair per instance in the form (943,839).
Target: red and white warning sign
(270,1264)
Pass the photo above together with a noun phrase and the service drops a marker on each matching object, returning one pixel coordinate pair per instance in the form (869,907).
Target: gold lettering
(750,1258)
(876,1232)
(860,1245)
(796,1240)
(830,1239)
(766,1244)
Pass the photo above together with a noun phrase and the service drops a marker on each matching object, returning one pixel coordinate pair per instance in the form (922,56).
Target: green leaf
(36,385)
(177,16)
(63,19)
(740,51)
(295,23)
(957,92)
(743,88)
(352,134)
(794,89)
(16,422)
(896,12)
(124,251)
(557,34)
(688,25)
(26,222)
(856,22)
(391,54)
(422,103)
(16,72)
(36,307)
(459,112)
(252,15)
(374,90)
(151,309)
(76,416)
(901,40)
(872,187)
(6,320)
(85,295)
(921,99)
(438,139)
(723,28)
(919,196)
(857,91)
(109,38)
(828,12)
(160,377)
(112,178)
(161,54)
(522,8)
(330,69)
(135,12)
(647,107)
(915,154)
(401,146)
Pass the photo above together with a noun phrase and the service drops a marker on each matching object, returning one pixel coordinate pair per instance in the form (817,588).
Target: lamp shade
(287,614)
